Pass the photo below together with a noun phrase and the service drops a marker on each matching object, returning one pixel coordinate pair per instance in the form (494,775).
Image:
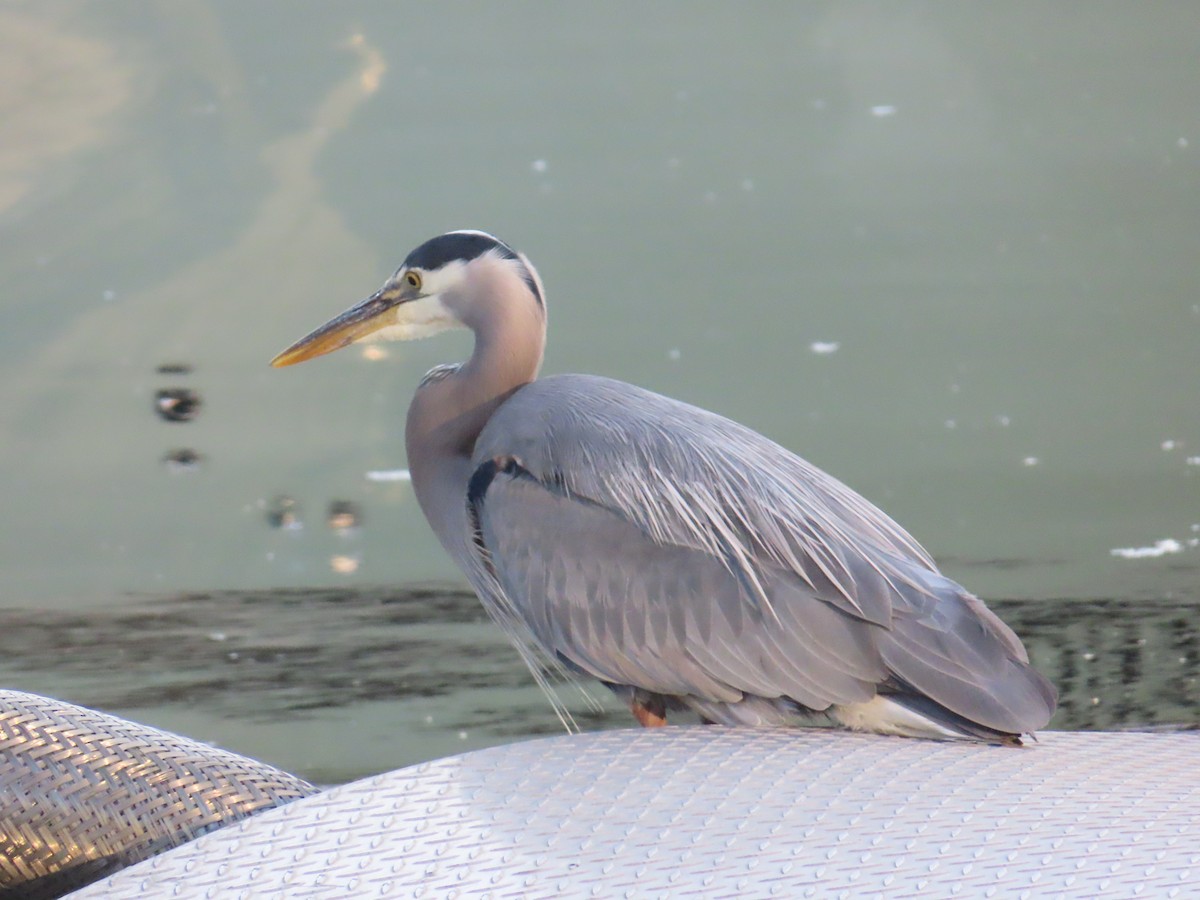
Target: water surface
(946,253)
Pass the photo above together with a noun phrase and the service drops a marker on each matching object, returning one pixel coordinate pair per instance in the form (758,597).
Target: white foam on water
(1159,548)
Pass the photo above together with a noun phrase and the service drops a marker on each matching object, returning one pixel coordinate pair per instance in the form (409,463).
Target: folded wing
(655,545)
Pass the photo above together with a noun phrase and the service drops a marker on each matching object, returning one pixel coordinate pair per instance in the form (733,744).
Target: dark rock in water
(177,404)
(182,459)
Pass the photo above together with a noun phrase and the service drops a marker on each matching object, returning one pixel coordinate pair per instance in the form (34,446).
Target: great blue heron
(678,557)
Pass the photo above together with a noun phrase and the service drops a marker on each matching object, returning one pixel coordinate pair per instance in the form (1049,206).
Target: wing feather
(626,612)
(691,478)
(657,545)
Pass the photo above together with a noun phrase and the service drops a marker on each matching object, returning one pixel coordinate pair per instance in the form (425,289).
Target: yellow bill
(353,325)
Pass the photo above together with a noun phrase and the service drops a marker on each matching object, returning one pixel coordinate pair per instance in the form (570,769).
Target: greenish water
(987,214)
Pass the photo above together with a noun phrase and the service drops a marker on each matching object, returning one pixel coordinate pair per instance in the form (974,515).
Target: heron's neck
(447,414)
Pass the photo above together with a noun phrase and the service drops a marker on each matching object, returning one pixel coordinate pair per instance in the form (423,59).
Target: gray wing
(668,619)
(655,544)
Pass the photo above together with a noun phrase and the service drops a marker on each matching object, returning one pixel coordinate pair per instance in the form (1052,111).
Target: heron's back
(766,527)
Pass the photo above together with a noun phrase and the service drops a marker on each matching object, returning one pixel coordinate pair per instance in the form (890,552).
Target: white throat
(417,319)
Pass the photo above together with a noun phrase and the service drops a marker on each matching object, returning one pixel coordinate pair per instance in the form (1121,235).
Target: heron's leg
(649,709)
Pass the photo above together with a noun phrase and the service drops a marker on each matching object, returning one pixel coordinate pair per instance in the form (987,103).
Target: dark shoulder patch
(457,245)
(481,480)
(486,472)
(477,488)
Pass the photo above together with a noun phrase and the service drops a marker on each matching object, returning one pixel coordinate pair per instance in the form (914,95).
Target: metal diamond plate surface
(83,793)
(716,812)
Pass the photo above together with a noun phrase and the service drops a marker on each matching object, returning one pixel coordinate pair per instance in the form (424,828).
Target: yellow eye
(412,279)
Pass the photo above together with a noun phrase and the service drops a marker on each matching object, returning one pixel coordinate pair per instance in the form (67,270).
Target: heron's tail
(914,715)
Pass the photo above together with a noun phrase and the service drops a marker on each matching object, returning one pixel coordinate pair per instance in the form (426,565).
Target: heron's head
(455,279)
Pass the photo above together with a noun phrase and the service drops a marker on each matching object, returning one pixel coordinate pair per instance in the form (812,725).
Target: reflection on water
(177,404)
(1118,664)
(279,657)
(182,459)
(270,655)
(343,515)
(284,512)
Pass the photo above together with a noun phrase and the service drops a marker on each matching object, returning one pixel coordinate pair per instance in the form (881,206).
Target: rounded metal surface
(83,793)
(724,812)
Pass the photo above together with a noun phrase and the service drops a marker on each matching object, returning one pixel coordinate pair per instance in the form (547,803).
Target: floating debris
(343,515)
(674,354)
(389,475)
(177,404)
(539,165)
(883,111)
(1030,461)
(344,565)
(284,512)
(1160,548)
(174,368)
(824,348)
(182,459)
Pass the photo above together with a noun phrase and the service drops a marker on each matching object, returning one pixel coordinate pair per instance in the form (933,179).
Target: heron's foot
(649,710)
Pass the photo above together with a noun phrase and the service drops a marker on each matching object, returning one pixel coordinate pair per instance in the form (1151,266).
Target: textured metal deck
(83,793)
(714,812)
